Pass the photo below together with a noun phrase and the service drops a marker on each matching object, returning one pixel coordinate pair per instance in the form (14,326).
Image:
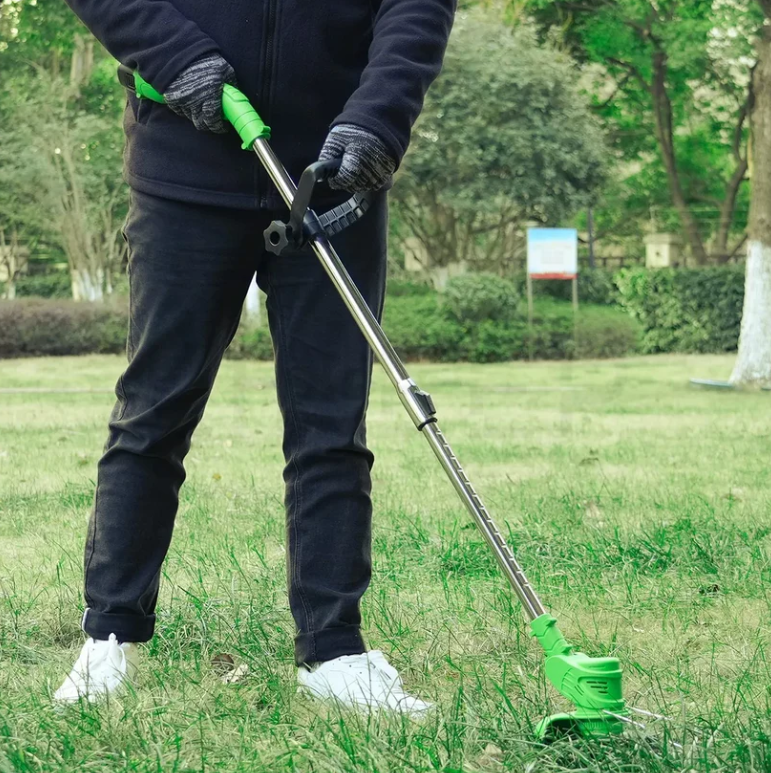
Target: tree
(670,82)
(61,160)
(60,163)
(753,364)
(504,139)
(39,31)
(13,261)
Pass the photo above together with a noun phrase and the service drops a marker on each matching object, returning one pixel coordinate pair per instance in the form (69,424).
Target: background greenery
(478,317)
(546,109)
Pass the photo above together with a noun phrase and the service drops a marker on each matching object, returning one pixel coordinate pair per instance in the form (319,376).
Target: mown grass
(638,505)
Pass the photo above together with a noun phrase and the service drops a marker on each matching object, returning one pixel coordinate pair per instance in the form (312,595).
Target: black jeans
(190,267)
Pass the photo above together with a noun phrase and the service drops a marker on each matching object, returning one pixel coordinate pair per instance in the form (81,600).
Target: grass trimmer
(593,685)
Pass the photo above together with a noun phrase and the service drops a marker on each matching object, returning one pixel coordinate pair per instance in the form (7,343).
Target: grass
(638,505)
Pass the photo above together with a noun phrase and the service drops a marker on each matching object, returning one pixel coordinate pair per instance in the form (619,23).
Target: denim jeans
(190,267)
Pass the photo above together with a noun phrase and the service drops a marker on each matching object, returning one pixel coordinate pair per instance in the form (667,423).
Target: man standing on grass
(343,77)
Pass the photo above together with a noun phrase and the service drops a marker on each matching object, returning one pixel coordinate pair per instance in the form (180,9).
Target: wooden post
(575,294)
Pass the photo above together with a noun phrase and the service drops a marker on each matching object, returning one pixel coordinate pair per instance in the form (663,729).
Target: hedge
(596,286)
(685,310)
(251,343)
(52,284)
(40,327)
(420,327)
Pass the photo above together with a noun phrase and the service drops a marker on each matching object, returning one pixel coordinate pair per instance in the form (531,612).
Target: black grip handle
(347,213)
(126,78)
(302,224)
(313,174)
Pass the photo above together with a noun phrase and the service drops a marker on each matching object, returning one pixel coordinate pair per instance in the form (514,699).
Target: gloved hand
(367,164)
(197,93)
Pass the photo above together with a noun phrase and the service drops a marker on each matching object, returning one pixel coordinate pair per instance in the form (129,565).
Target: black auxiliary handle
(303,224)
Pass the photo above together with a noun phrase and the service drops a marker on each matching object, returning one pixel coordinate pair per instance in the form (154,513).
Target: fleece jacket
(306,65)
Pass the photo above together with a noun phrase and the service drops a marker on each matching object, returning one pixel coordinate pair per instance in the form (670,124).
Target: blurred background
(627,120)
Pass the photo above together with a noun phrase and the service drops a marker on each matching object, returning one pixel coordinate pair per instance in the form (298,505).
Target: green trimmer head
(592,684)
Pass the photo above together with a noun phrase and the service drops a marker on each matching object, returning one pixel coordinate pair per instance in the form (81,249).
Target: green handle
(245,119)
(145,91)
(235,104)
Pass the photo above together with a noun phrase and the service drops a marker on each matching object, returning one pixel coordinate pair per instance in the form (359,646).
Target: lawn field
(640,507)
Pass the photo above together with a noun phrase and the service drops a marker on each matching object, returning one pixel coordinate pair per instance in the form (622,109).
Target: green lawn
(639,506)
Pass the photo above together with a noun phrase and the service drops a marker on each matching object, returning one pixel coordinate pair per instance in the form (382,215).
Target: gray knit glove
(367,163)
(197,93)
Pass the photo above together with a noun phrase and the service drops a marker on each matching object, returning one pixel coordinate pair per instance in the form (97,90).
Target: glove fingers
(365,161)
(357,172)
(213,117)
(197,93)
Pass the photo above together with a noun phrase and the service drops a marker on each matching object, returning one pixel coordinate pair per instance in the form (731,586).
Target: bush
(479,297)
(419,326)
(41,327)
(251,343)
(52,284)
(596,286)
(685,310)
(602,332)
(419,330)
(400,287)
(492,341)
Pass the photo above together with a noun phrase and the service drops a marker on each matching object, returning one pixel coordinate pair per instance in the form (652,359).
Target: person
(343,79)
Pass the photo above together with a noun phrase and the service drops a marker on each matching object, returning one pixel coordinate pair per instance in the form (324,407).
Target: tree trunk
(252,306)
(662,109)
(753,364)
(13,262)
(87,286)
(726,220)
(82,61)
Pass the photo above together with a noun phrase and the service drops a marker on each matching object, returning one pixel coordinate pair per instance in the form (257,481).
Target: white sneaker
(102,669)
(365,681)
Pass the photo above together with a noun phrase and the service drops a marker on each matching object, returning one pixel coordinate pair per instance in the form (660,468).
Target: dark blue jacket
(306,65)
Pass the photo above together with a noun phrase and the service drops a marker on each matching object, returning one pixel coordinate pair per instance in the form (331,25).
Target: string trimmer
(593,685)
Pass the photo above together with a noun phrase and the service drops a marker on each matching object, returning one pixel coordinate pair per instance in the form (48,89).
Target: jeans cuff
(328,644)
(131,628)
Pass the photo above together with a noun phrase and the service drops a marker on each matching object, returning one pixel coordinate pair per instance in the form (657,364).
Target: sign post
(552,253)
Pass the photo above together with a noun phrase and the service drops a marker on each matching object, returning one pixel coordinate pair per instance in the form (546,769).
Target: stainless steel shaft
(412,398)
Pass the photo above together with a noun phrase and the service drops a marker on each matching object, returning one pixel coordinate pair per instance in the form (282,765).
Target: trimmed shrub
(419,330)
(419,326)
(52,284)
(400,287)
(685,310)
(480,297)
(596,287)
(251,343)
(42,327)
(492,341)
(602,332)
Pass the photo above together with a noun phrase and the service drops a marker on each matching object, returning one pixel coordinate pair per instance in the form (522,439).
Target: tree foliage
(504,139)
(671,81)
(60,159)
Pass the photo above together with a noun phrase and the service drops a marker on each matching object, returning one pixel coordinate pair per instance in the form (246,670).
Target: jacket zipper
(263,181)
